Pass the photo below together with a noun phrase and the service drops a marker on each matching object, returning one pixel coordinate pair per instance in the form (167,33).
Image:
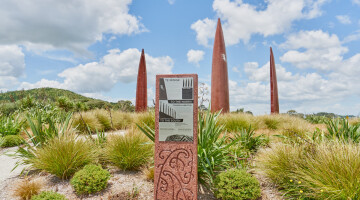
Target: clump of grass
(26,188)
(63,156)
(122,120)
(328,170)
(11,141)
(103,118)
(87,121)
(147,118)
(130,151)
(271,122)
(234,122)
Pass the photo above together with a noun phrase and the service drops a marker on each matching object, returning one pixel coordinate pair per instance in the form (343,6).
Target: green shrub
(63,156)
(213,148)
(11,141)
(49,195)
(10,126)
(91,179)
(236,184)
(328,170)
(342,130)
(129,151)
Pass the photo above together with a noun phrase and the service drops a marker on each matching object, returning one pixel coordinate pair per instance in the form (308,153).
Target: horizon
(315,43)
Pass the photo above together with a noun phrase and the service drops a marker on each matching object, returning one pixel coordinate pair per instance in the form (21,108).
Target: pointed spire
(273,85)
(219,74)
(141,87)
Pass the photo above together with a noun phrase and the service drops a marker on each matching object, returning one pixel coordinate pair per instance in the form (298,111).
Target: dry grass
(354,121)
(122,120)
(87,119)
(148,172)
(329,170)
(26,188)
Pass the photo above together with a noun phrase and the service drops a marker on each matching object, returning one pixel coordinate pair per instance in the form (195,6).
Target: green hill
(50,94)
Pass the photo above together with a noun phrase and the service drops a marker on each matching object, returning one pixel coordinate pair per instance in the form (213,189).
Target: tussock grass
(354,121)
(130,151)
(328,170)
(103,118)
(122,120)
(63,156)
(235,122)
(148,172)
(147,118)
(26,188)
(87,119)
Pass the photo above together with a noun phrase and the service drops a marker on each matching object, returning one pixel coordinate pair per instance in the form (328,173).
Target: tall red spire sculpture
(273,86)
(141,87)
(219,74)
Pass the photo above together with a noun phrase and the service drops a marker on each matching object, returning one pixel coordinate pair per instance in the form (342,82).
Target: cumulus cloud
(68,24)
(117,66)
(241,20)
(344,19)
(12,65)
(323,51)
(305,91)
(195,56)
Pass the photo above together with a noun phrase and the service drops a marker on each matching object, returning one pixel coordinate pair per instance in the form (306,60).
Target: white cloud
(344,19)
(305,91)
(195,56)
(323,51)
(117,66)
(68,24)
(241,20)
(353,37)
(12,65)
(356,2)
(171,2)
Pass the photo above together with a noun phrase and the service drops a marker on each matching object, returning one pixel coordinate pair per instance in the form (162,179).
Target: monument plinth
(273,86)
(219,74)
(176,137)
(141,86)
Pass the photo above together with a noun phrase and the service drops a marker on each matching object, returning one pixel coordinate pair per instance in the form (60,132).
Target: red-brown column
(273,86)
(219,74)
(141,87)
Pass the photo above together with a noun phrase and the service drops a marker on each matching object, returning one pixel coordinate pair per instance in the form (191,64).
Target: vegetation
(91,179)
(130,151)
(63,156)
(329,170)
(26,188)
(11,141)
(236,184)
(10,126)
(49,195)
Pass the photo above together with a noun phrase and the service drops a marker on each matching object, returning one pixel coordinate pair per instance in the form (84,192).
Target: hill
(50,94)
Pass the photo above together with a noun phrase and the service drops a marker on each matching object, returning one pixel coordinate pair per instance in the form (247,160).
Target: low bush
(63,156)
(91,179)
(49,195)
(236,184)
(328,170)
(130,151)
(11,141)
(25,189)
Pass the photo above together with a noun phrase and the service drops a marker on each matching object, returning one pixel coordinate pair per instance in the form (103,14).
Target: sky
(93,47)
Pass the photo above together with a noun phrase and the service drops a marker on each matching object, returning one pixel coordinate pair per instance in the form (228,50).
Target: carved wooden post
(176,137)
(273,86)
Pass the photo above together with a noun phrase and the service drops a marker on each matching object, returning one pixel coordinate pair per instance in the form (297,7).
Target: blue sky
(93,48)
